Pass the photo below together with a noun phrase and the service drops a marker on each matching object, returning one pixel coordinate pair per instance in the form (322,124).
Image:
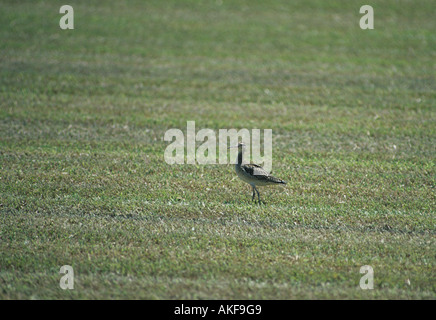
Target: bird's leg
(258,195)
(254,193)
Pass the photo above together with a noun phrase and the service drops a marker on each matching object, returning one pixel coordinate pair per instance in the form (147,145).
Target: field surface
(83,181)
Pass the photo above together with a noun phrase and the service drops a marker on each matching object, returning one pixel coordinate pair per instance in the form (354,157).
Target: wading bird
(253,174)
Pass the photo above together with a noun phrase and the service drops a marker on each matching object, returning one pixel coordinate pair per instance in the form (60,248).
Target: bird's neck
(240,157)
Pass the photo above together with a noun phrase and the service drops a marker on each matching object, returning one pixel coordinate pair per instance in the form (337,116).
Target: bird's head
(240,146)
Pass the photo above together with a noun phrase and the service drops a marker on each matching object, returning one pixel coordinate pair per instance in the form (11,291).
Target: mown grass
(83,180)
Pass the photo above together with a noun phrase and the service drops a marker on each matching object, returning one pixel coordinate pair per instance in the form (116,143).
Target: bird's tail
(276,180)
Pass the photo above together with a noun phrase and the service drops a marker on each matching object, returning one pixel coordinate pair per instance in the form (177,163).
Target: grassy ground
(83,180)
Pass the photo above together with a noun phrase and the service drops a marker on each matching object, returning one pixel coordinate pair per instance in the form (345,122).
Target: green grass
(83,180)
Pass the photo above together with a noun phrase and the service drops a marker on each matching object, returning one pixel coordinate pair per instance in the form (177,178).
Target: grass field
(83,181)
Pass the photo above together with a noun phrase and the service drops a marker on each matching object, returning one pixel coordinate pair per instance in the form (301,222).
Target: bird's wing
(254,170)
(259,173)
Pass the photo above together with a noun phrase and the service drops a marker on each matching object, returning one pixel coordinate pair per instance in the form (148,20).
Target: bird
(253,174)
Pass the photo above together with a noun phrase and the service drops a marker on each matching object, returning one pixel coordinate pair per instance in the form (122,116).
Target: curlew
(253,174)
